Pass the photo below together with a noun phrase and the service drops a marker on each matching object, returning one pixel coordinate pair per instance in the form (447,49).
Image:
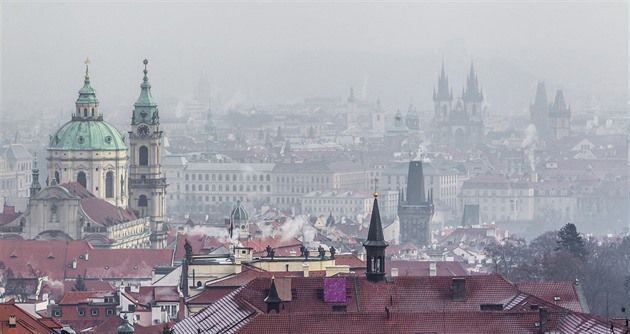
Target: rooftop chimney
(305,267)
(459,289)
(544,319)
(12,321)
(394,272)
(432,268)
(74,263)
(87,254)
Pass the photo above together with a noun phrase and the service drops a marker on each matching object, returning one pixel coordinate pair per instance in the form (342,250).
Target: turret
(87,103)
(273,300)
(375,246)
(35,186)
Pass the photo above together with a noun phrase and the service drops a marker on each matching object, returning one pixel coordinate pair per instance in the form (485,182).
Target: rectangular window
(94,312)
(109,311)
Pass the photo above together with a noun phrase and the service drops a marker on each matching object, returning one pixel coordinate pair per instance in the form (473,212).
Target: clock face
(143,130)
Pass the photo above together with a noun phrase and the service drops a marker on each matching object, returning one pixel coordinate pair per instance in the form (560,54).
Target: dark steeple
(375,246)
(541,96)
(559,104)
(273,300)
(415,184)
(444,92)
(472,91)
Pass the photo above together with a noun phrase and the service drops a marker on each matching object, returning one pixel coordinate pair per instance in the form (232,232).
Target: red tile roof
(563,294)
(25,322)
(421,268)
(408,304)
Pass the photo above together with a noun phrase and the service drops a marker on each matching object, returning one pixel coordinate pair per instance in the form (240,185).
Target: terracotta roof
(121,263)
(422,268)
(564,294)
(25,322)
(82,297)
(350,260)
(408,304)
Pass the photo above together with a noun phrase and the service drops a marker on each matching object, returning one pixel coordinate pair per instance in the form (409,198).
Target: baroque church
(100,188)
(459,125)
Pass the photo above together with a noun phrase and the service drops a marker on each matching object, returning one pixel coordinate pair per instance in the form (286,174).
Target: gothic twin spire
(471,92)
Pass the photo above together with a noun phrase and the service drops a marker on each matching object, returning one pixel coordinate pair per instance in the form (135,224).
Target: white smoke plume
(529,145)
(294,227)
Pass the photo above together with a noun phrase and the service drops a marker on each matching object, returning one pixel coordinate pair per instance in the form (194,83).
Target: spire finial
(87,64)
(145,62)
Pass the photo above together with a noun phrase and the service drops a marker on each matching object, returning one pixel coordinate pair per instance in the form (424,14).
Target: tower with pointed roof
(147,186)
(352,112)
(90,151)
(412,119)
(460,125)
(559,117)
(539,111)
(442,98)
(375,245)
(415,208)
(35,185)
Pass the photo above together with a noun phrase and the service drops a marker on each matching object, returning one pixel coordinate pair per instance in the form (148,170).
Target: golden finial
(87,63)
(273,277)
(375,194)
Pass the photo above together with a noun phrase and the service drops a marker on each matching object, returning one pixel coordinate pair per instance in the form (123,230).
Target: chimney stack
(394,272)
(459,289)
(305,268)
(87,254)
(544,319)
(12,321)
(432,268)
(74,263)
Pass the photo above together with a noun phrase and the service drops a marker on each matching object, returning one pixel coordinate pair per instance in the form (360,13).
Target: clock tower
(147,186)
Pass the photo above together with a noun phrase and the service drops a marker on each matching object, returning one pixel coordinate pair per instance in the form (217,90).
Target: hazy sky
(276,52)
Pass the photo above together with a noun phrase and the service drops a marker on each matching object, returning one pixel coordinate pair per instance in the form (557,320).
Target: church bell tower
(147,186)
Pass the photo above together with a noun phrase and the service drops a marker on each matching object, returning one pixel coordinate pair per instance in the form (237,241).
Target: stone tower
(559,117)
(415,209)
(147,186)
(539,111)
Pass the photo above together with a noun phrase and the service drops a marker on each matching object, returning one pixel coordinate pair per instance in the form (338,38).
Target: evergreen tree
(79,284)
(571,241)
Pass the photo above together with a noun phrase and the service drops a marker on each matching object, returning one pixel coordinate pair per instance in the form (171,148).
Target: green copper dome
(87,135)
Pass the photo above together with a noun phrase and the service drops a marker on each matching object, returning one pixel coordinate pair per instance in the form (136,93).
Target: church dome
(87,135)
(87,131)
(239,213)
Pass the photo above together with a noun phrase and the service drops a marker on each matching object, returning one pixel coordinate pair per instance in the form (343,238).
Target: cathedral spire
(443,87)
(375,246)
(471,92)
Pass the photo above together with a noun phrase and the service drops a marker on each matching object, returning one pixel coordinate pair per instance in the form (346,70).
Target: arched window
(92,112)
(268,178)
(84,112)
(142,201)
(214,187)
(109,185)
(200,177)
(240,188)
(186,177)
(194,177)
(82,179)
(57,177)
(214,177)
(234,188)
(193,187)
(186,188)
(255,188)
(206,187)
(260,178)
(207,177)
(143,155)
(268,188)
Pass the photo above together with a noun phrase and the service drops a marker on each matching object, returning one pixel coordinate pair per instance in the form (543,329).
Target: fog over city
(268,53)
(314,166)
